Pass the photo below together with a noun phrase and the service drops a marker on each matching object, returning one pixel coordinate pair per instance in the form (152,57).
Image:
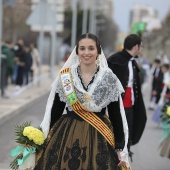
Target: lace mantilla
(105,88)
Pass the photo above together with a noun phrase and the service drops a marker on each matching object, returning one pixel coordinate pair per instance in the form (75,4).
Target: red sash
(127,100)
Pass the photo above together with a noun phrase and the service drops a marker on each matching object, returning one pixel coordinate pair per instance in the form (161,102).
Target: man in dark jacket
(28,64)
(10,60)
(124,66)
(157,83)
(7,64)
(20,59)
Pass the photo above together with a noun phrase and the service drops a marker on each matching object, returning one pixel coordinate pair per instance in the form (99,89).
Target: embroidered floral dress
(73,143)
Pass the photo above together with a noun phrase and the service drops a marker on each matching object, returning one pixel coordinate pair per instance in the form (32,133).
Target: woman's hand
(119,157)
(154,92)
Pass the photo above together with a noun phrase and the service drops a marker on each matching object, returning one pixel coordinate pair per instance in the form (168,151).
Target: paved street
(146,153)
(34,114)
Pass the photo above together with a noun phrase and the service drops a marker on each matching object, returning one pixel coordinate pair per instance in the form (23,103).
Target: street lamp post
(74,24)
(41,38)
(84,26)
(1,13)
(53,42)
(92,25)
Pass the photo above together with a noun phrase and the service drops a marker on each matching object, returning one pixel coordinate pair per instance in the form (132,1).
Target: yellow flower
(168,111)
(28,130)
(34,134)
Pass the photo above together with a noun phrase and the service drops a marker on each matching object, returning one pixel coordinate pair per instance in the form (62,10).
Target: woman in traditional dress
(85,138)
(164,96)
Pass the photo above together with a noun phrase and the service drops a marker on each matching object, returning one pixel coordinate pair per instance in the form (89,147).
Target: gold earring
(97,61)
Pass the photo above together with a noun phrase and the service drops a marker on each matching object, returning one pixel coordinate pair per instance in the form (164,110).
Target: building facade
(104,6)
(147,14)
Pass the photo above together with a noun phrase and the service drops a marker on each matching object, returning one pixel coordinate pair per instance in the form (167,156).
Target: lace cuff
(124,157)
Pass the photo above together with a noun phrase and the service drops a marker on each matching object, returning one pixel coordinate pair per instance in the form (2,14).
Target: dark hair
(33,44)
(157,61)
(132,40)
(90,36)
(166,66)
(8,41)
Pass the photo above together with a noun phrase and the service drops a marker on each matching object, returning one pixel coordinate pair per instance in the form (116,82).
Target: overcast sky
(122,10)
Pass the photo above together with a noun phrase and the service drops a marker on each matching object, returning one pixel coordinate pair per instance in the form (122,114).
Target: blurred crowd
(19,63)
(160,99)
(156,76)
(160,71)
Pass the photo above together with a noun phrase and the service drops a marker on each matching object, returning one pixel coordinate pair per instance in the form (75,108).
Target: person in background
(10,60)
(164,96)
(7,67)
(163,58)
(11,47)
(20,59)
(35,60)
(124,66)
(165,115)
(28,65)
(3,72)
(157,83)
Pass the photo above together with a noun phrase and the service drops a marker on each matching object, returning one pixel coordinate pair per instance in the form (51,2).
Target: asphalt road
(146,152)
(34,114)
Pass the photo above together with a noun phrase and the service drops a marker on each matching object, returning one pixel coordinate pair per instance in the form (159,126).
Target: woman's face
(87,51)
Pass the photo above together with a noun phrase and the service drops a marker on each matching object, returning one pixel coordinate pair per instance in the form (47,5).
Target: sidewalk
(24,97)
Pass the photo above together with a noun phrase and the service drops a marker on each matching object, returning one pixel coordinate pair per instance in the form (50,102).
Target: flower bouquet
(165,116)
(30,140)
(165,124)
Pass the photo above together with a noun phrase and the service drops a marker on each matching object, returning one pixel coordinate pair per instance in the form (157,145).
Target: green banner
(138,27)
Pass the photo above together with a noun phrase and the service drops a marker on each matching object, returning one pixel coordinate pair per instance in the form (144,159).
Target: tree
(14,26)
(107,33)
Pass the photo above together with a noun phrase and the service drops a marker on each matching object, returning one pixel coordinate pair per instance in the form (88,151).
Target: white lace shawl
(106,88)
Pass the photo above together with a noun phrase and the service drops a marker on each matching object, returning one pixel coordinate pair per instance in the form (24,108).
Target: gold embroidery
(86,97)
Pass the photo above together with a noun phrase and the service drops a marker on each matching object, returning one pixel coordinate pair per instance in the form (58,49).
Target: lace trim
(103,90)
(91,81)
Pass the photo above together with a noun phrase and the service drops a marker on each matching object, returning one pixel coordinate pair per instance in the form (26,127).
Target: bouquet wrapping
(30,140)
(165,124)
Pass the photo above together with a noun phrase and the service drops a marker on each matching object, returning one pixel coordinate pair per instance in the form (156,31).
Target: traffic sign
(42,16)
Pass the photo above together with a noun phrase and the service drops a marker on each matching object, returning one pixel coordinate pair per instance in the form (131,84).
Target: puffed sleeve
(57,109)
(116,119)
